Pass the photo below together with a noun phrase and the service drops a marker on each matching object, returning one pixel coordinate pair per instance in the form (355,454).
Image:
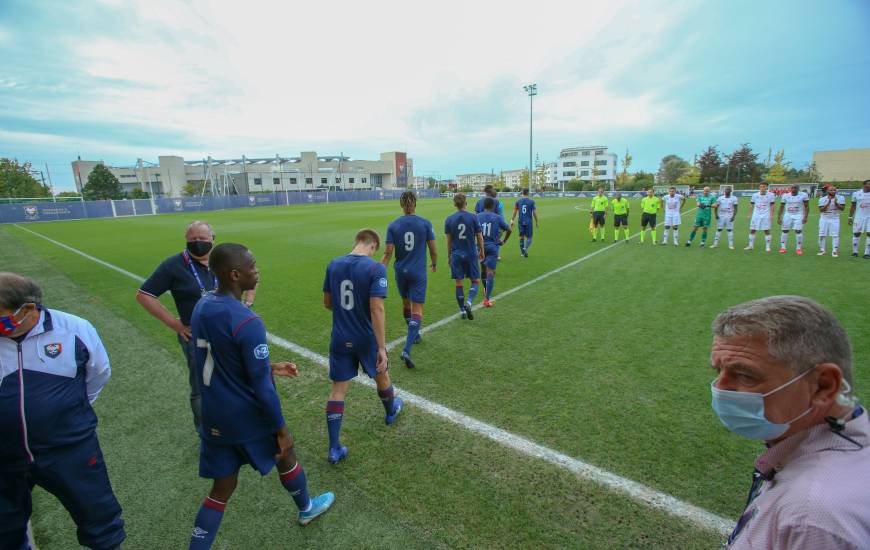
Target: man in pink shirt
(784,376)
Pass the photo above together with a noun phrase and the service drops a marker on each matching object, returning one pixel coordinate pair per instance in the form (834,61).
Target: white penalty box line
(637,491)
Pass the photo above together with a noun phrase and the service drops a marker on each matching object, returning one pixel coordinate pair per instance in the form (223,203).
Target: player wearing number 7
(465,246)
(242,421)
(354,290)
(406,236)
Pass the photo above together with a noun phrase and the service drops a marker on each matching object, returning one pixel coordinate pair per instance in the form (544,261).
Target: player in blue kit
(406,236)
(489,192)
(527,210)
(241,421)
(491,226)
(354,290)
(465,247)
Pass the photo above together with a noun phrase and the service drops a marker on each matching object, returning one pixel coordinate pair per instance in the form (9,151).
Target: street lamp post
(532,90)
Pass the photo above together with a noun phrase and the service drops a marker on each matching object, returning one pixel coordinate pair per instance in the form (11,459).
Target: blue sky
(118,80)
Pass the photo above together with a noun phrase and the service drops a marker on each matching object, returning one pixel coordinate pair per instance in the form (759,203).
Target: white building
(551,173)
(169,176)
(584,163)
(513,178)
(476,181)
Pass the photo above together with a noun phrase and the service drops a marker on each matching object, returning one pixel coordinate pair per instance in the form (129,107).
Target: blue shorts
(217,461)
(77,476)
(526,230)
(490,258)
(462,267)
(411,286)
(344,365)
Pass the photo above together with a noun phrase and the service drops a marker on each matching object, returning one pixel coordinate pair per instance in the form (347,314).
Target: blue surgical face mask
(743,412)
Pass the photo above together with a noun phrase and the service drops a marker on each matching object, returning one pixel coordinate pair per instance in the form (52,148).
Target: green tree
(642,179)
(623,178)
(691,177)
(16,181)
(776,173)
(138,194)
(193,188)
(524,179)
(574,184)
(102,185)
(672,168)
(710,165)
(743,165)
(69,194)
(813,174)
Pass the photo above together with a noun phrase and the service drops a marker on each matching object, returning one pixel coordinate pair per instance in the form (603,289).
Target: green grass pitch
(605,361)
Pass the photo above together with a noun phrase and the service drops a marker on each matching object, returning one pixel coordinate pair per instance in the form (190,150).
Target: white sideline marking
(637,491)
(500,295)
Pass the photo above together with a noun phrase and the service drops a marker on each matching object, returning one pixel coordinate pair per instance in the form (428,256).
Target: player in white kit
(673,206)
(762,212)
(726,211)
(793,210)
(830,206)
(859,219)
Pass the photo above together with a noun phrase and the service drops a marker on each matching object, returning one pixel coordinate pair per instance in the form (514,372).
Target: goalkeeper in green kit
(705,202)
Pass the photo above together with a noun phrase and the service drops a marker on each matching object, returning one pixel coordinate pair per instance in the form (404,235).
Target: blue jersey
(352,280)
(525,207)
(409,235)
(463,226)
(491,225)
(498,208)
(239,401)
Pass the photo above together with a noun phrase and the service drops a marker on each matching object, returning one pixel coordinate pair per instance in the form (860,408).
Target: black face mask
(199,248)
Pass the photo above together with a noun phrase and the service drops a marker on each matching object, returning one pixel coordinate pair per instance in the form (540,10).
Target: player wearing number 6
(465,246)
(409,236)
(354,290)
(527,210)
(242,421)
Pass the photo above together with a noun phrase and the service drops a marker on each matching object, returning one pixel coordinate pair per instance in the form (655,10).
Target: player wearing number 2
(465,246)
(242,421)
(354,289)
(406,236)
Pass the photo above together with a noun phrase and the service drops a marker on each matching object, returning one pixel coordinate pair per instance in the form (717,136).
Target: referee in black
(187,277)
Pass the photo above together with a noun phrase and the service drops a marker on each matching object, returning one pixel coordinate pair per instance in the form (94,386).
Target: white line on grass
(637,491)
(500,295)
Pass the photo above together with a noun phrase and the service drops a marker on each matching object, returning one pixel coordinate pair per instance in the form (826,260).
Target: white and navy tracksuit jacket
(47,384)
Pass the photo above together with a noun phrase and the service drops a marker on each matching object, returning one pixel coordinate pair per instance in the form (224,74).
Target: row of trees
(741,166)
(17,181)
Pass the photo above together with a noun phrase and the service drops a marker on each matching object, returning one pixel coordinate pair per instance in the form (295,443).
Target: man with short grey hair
(784,376)
(52,368)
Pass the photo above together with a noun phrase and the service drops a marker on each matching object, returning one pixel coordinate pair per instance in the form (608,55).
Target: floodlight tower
(532,90)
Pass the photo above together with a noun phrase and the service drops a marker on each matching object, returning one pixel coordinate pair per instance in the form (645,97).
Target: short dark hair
(865,182)
(408,200)
(488,203)
(368,236)
(226,257)
(17,290)
(526,191)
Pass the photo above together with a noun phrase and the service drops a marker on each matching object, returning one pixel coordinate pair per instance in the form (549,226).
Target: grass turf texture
(605,361)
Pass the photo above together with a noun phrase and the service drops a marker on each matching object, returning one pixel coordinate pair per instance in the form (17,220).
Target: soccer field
(605,361)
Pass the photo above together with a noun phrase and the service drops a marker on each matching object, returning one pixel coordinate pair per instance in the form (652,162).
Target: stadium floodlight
(532,90)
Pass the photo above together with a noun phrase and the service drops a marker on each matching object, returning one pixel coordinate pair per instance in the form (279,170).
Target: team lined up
(794,208)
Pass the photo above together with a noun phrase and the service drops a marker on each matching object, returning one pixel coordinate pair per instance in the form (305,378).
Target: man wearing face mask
(187,277)
(784,376)
(52,368)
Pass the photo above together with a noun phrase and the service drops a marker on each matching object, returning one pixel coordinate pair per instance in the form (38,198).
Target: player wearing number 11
(409,236)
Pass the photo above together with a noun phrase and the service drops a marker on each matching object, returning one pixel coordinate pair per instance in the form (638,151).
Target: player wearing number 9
(409,236)
(354,290)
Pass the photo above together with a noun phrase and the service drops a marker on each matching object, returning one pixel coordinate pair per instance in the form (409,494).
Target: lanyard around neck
(189,262)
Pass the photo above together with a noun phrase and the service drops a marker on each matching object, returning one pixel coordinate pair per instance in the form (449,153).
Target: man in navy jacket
(52,368)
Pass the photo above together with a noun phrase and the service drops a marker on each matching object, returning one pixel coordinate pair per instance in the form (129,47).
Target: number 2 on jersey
(461,228)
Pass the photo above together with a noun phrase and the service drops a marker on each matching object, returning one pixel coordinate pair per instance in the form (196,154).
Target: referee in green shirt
(599,210)
(620,216)
(649,206)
